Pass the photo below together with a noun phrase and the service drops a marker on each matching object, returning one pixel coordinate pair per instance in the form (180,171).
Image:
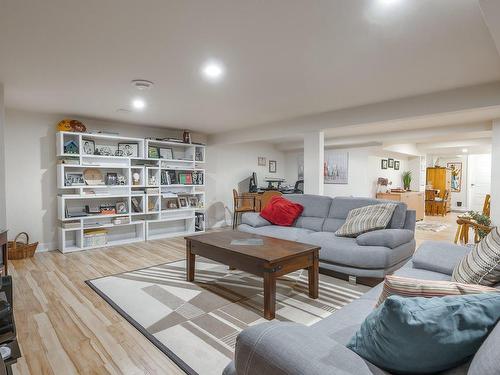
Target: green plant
(482,219)
(406,180)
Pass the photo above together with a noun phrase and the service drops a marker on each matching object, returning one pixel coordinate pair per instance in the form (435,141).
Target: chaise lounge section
(277,348)
(371,255)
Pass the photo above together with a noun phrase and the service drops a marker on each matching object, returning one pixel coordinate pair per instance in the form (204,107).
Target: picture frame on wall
(129,149)
(397,164)
(390,163)
(273,166)
(261,161)
(88,147)
(166,153)
(383,164)
(456,176)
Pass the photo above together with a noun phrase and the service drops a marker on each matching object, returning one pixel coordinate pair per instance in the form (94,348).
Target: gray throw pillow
(365,219)
(482,264)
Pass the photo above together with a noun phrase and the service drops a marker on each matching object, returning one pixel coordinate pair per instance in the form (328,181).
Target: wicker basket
(20,250)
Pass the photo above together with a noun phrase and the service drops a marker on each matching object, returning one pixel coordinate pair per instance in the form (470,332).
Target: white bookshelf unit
(133,190)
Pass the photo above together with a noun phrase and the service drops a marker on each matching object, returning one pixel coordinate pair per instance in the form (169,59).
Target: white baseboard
(44,247)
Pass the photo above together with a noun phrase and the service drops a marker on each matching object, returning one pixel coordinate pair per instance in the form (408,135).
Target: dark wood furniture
(3,244)
(241,204)
(8,336)
(273,259)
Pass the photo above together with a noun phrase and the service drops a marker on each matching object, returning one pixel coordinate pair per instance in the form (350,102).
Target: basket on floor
(21,250)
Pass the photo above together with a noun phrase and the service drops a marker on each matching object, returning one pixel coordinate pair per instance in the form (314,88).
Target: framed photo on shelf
(129,149)
(172,203)
(88,147)
(111,178)
(166,153)
(390,163)
(153,152)
(183,202)
(74,179)
(272,166)
(193,201)
(121,208)
(397,164)
(383,164)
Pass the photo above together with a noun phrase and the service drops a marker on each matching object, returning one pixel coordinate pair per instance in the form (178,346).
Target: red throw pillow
(281,211)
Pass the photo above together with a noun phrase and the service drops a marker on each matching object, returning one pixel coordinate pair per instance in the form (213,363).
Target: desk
(252,200)
(415,200)
(3,244)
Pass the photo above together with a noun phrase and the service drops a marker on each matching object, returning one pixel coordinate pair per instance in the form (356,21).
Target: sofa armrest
(390,238)
(439,256)
(254,220)
(293,349)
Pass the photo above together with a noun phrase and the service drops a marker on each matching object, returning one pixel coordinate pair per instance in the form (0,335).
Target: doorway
(479,180)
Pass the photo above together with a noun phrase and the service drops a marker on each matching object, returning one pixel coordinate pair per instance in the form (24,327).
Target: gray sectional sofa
(374,254)
(277,348)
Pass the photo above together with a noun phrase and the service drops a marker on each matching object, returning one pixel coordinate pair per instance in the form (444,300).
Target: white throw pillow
(366,219)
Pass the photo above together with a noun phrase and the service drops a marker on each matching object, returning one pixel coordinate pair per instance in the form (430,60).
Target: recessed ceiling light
(464,150)
(141,84)
(388,2)
(213,70)
(138,104)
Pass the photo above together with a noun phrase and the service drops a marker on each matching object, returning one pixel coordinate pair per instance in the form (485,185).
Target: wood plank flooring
(65,328)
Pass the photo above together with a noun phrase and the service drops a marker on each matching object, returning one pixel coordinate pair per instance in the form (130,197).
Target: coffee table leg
(190,261)
(269,295)
(313,276)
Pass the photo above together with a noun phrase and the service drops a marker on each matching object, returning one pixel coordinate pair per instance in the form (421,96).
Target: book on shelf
(152,191)
(71,225)
(69,161)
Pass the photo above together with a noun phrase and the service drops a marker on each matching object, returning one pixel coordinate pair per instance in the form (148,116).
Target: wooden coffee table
(273,259)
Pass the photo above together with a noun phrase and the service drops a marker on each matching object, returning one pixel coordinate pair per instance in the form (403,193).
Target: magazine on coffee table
(248,242)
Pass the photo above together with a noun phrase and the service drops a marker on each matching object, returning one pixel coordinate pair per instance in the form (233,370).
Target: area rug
(196,324)
(431,226)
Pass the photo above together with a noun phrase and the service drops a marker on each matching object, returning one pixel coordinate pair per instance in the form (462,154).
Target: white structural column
(495,173)
(314,151)
(3,213)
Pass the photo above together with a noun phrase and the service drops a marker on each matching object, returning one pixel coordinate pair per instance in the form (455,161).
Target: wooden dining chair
(442,205)
(241,204)
(465,223)
(266,197)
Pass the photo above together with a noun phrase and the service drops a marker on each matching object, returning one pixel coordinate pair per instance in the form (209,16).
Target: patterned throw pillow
(407,287)
(365,219)
(482,264)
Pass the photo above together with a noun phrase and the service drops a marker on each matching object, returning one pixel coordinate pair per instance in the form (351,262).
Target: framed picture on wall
(272,166)
(383,164)
(456,176)
(396,165)
(390,163)
(336,167)
(261,161)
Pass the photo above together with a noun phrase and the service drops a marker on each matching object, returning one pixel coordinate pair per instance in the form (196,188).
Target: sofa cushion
(285,233)
(316,209)
(439,256)
(254,219)
(366,219)
(411,287)
(345,251)
(404,334)
(487,359)
(482,264)
(341,206)
(281,211)
(390,238)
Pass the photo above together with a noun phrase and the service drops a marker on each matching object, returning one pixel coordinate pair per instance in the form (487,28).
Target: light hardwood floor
(65,328)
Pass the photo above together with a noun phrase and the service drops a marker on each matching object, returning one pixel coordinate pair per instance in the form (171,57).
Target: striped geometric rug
(196,324)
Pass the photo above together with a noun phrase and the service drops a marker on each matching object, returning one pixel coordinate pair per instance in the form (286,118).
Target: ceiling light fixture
(464,150)
(138,104)
(388,2)
(213,70)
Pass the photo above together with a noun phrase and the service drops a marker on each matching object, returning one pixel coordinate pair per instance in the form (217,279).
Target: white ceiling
(284,58)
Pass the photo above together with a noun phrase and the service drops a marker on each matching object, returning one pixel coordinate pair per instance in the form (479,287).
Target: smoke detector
(142,84)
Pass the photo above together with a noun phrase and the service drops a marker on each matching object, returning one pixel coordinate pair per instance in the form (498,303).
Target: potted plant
(406,180)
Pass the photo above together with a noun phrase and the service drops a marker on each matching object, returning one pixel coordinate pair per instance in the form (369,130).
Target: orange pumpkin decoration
(68,125)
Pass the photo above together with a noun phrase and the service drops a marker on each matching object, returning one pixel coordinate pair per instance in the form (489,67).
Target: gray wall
(3,215)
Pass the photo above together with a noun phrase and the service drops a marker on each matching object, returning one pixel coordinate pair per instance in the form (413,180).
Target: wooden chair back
(266,197)
(487,205)
(235,199)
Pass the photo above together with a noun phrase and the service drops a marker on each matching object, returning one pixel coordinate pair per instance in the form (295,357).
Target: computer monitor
(253,185)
